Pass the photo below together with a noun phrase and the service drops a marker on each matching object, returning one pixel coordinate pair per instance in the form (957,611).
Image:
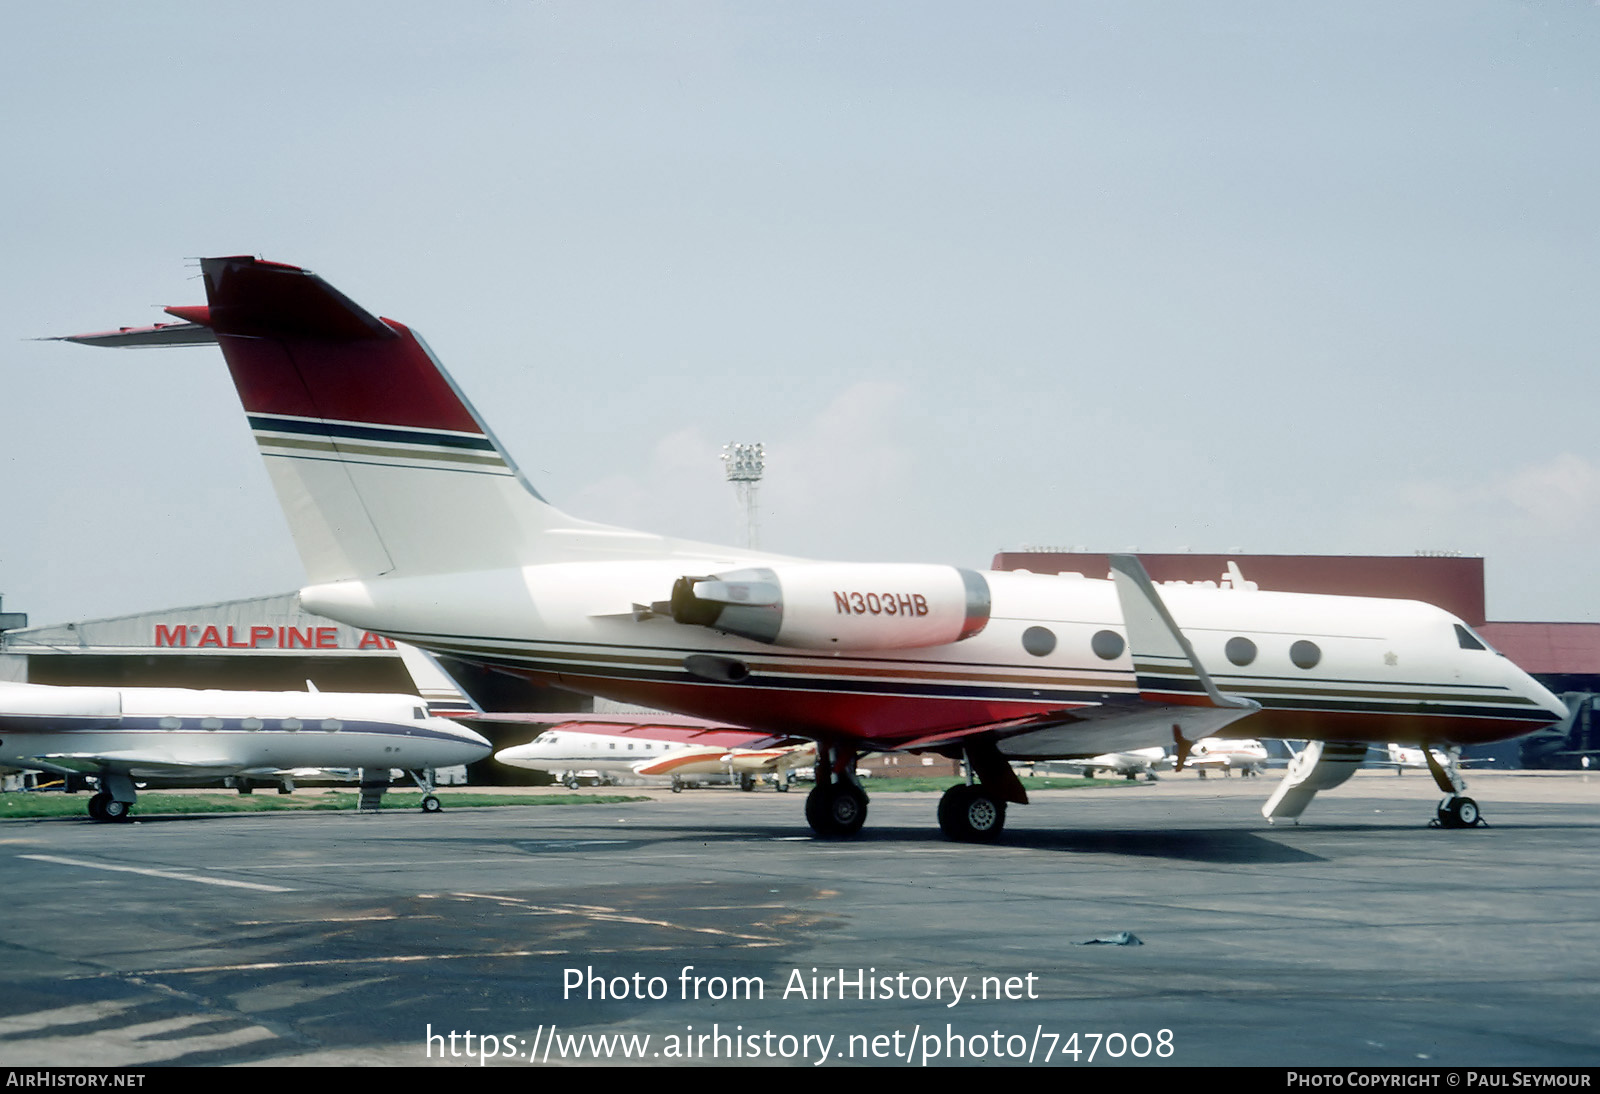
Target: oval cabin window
(1305,654)
(1107,645)
(1039,641)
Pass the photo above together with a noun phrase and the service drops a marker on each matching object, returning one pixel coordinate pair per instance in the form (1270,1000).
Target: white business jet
(367,440)
(649,748)
(121,736)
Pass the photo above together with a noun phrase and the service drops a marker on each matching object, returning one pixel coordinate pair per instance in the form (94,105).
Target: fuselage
(1322,667)
(1227,754)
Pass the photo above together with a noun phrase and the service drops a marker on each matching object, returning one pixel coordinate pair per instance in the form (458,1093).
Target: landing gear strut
(836,806)
(423,777)
(1456,810)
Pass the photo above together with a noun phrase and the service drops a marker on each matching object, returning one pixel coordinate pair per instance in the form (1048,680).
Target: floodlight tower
(743,464)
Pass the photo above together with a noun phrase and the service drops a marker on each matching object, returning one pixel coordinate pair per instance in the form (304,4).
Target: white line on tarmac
(172,875)
(509,856)
(407,959)
(78,1014)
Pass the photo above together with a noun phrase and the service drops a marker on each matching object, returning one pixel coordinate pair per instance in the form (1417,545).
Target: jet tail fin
(381,466)
(376,458)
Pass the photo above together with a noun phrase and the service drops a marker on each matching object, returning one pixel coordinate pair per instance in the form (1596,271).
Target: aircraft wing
(684,761)
(136,764)
(678,728)
(763,761)
(1094,731)
(712,758)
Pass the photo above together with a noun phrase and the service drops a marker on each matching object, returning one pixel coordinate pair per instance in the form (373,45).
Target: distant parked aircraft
(121,736)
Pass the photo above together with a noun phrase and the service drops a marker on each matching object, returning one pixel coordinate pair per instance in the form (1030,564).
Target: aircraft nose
(1543,696)
(466,745)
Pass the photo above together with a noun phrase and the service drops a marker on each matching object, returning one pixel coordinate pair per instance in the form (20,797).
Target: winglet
(1164,663)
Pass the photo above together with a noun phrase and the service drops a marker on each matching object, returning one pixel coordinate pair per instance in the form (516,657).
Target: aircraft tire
(782,786)
(570,782)
(838,810)
(97,806)
(747,783)
(969,814)
(431,804)
(113,810)
(1459,813)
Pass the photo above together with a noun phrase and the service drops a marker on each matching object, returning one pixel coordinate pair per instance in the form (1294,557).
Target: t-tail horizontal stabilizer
(1321,765)
(160,334)
(1165,665)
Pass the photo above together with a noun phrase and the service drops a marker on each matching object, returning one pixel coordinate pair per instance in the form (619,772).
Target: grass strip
(21,805)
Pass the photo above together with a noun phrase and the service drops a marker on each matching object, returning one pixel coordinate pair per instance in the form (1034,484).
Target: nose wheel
(1457,811)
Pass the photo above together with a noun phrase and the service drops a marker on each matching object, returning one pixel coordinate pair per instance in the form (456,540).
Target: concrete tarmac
(713,925)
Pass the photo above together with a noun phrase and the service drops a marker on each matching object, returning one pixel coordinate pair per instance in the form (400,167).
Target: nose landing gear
(1456,810)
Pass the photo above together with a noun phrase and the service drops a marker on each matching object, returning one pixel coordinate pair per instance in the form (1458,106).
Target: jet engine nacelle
(838,606)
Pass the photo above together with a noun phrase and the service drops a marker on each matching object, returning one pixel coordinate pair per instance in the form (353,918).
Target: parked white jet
(1247,757)
(1404,759)
(681,752)
(1130,765)
(367,440)
(126,735)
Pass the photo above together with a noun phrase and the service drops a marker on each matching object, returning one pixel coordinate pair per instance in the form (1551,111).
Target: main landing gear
(970,814)
(114,803)
(836,806)
(103,807)
(975,811)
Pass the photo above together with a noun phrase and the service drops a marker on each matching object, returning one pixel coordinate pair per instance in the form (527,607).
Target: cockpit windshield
(1468,639)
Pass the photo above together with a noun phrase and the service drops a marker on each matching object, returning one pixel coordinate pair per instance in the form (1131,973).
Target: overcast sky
(1271,277)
